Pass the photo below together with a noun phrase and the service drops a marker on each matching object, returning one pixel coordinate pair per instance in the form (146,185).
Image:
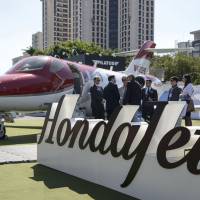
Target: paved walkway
(18,153)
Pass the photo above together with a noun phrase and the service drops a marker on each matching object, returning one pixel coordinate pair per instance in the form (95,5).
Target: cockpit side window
(31,64)
(56,66)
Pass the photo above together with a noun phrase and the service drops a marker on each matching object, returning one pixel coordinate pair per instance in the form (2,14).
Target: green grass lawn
(35,182)
(22,135)
(27,122)
(196,122)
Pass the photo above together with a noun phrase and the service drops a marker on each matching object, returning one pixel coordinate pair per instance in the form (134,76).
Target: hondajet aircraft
(35,81)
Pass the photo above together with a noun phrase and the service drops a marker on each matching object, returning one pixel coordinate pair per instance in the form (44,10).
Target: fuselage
(36,81)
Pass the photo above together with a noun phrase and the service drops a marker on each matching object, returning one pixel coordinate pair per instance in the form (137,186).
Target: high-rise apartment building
(99,23)
(90,21)
(136,23)
(57,22)
(75,19)
(123,24)
(37,40)
(48,22)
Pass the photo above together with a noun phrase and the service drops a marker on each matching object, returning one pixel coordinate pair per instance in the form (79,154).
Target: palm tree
(30,50)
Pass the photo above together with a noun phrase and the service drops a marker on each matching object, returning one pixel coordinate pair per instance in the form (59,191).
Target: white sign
(106,63)
(144,161)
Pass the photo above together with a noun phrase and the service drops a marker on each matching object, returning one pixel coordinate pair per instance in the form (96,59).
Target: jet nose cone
(24,84)
(9,84)
(18,84)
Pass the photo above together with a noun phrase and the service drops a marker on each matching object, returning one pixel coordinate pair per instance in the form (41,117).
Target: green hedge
(178,66)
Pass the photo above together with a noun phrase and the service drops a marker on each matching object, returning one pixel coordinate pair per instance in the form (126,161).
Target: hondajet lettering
(81,128)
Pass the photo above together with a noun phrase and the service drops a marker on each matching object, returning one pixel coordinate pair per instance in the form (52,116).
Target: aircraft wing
(169,50)
(127,53)
(153,50)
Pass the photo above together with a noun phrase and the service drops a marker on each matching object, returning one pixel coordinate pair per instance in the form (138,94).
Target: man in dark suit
(174,91)
(148,95)
(111,95)
(97,106)
(133,92)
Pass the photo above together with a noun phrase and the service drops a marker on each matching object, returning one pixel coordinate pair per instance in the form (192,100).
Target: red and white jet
(35,81)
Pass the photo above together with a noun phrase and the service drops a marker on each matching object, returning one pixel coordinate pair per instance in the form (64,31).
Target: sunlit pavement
(18,153)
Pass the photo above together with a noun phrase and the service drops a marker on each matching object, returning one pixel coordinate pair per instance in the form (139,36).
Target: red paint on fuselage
(54,75)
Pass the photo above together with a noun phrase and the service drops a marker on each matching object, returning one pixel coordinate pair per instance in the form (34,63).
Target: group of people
(176,93)
(110,94)
(132,93)
(137,91)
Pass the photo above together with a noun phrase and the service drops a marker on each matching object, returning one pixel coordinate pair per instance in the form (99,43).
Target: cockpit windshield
(56,66)
(31,64)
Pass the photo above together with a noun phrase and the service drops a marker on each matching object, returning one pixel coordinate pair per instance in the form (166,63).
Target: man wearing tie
(148,95)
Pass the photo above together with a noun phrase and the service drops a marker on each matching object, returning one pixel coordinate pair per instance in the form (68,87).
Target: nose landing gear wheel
(2,132)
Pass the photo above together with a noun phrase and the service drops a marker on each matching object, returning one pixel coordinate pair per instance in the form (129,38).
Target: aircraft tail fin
(140,64)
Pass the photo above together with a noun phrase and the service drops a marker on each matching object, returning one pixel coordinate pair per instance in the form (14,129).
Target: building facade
(136,23)
(57,23)
(48,22)
(37,40)
(123,24)
(113,24)
(185,45)
(196,43)
(90,21)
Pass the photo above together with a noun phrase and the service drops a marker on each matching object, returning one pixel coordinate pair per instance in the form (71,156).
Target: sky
(19,19)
